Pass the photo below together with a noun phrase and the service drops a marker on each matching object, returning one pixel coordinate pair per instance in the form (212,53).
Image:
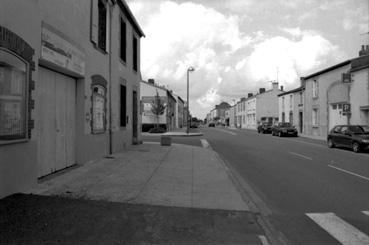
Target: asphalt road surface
(310,193)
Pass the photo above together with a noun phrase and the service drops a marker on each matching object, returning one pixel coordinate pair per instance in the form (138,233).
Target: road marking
(365,212)
(339,229)
(264,240)
(300,155)
(204,143)
(349,172)
(225,131)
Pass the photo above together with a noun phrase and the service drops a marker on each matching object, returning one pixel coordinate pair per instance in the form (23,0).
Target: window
(315,117)
(98,109)
(315,89)
(135,53)
(283,103)
(123,40)
(301,98)
(102,25)
(123,106)
(291,101)
(291,118)
(283,117)
(13,97)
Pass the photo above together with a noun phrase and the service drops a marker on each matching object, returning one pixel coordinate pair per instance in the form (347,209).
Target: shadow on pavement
(34,219)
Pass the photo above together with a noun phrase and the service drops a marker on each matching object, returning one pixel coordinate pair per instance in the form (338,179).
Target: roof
(331,68)
(154,85)
(171,95)
(292,91)
(123,5)
(360,63)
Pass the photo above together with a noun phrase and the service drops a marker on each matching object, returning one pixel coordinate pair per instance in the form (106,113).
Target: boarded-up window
(13,84)
(123,106)
(98,109)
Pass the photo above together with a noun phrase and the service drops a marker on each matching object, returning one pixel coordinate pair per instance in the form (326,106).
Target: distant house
(262,107)
(291,107)
(217,114)
(148,91)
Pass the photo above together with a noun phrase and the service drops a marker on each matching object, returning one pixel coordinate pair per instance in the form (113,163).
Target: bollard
(166,140)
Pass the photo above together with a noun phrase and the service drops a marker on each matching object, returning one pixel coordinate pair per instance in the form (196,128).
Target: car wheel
(280,134)
(272,133)
(355,147)
(330,143)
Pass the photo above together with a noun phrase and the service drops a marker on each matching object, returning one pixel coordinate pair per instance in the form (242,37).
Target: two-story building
(337,95)
(69,86)
(291,107)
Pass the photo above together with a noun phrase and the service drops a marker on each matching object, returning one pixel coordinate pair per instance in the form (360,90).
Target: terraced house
(69,85)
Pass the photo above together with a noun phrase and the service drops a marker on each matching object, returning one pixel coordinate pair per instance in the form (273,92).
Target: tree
(158,107)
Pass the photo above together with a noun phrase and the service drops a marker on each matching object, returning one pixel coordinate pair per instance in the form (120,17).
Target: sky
(239,46)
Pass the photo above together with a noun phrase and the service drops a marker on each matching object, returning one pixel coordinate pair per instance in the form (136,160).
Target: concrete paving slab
(178,175)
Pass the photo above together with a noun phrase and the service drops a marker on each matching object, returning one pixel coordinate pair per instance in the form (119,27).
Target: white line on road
(365,212)
(204,143)
(264,240)
(225,131)
(300,155)
(349,172)
(339,229)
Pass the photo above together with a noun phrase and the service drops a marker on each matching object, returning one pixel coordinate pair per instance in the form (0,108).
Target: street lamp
(188,99)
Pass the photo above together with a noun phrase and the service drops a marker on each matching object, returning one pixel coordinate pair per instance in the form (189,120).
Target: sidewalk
(148,194)
(179,175)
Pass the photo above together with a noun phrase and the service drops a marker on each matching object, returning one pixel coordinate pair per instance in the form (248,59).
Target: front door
(134,118)
(57,105)
(336,116)
(301,121)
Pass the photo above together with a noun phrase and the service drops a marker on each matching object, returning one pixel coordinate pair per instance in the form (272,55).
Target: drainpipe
(111,4)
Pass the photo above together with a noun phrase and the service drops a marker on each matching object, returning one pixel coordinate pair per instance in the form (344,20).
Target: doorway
(134,118)
(301,121)
(57,108)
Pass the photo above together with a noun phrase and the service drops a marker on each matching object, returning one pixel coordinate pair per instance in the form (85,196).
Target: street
(312,194)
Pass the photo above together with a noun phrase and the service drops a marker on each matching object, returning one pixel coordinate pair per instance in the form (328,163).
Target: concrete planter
(165,140)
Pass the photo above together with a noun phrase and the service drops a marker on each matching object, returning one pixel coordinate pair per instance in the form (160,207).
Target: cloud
(288,58)
(228,63)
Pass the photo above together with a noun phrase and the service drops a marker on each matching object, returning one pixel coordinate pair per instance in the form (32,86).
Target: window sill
(104,52)
(122,62)
(13,142)
(315,126)
(98,132)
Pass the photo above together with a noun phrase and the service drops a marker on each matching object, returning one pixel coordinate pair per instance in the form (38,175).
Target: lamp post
(188,99)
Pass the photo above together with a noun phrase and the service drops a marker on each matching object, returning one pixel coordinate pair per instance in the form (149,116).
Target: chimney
(275,85)
(151,81)
(261,90)
(364,50)
(249,95)
(281,88)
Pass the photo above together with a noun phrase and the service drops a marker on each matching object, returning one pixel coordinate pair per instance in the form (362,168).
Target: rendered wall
(18,162)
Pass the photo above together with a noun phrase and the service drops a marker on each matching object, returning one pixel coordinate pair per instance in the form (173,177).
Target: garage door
(57,106)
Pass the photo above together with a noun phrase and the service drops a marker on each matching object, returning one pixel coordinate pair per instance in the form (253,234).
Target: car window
(356,129)
(337,129)
(365,128)
(344,129)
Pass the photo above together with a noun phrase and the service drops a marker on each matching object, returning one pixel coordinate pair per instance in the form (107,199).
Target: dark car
(355,137)
(265,128)
(284,129)
(211,125)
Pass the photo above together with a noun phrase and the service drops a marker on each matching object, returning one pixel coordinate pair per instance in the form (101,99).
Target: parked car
(211,125)
(284,129)
(265,128)
(355,137)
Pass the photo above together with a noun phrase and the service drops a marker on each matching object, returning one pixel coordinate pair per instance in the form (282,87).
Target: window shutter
(94,21)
